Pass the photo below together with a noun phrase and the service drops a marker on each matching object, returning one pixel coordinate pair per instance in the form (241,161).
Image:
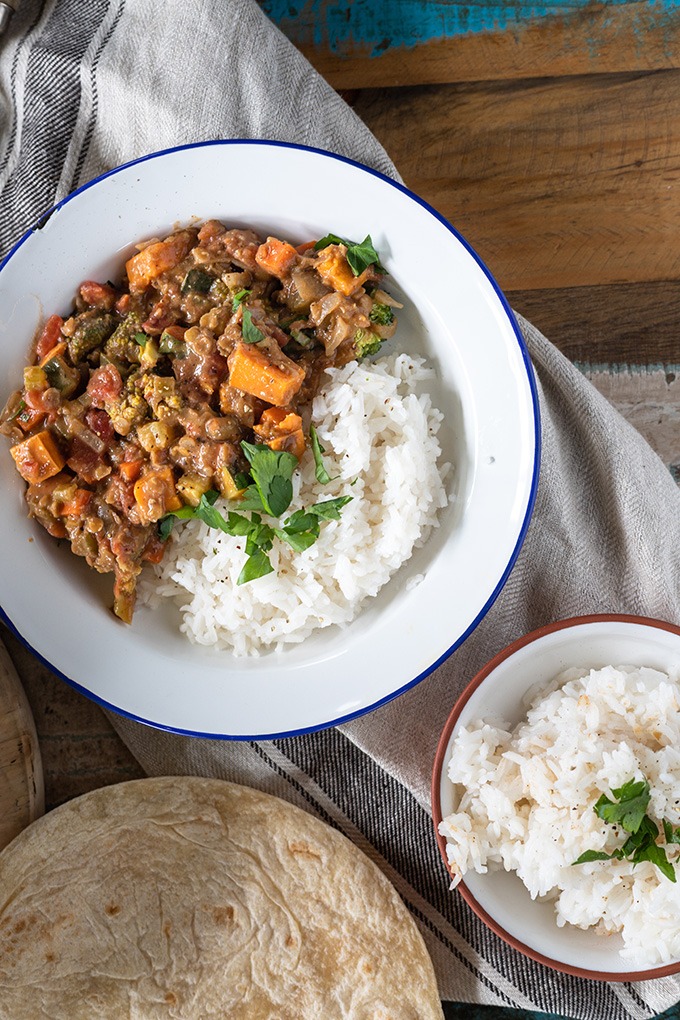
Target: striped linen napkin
(86,87)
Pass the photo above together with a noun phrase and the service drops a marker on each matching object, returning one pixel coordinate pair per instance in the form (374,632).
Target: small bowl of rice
(556,796)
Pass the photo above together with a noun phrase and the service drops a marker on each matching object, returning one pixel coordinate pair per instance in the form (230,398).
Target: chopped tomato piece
(100,423)
(50,336)
(98,295)
(86,462)
(54,352)
(105,385)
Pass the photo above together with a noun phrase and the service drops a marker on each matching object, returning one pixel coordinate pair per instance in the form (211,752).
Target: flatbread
(197,898)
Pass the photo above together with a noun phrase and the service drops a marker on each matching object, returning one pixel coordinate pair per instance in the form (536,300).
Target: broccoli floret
(381,314)
(366,343)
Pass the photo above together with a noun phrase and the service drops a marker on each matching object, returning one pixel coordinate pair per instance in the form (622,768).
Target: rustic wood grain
(596,39)
(80,749)
(22,792)
(618,325)
(564,182)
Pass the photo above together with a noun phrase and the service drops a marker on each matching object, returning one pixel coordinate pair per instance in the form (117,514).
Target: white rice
(529,796)
(379,432)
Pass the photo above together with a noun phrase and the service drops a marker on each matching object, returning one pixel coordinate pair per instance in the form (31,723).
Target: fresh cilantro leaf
(237,524)
(633,800)
(329,509)
(361,256)
(239,298)
(630,813)
(272,471)
(141,339)
(322,475)
(241,480)
(301,521)
(197,280)
(255,566)
(657,855)
(328,239)
(592,855)
(298,541)
(672,835)
(259,537)
(249,331)
(251,500)
(165,526)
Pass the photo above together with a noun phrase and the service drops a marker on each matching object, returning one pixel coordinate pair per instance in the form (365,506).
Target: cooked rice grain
(529,794)
(379,431)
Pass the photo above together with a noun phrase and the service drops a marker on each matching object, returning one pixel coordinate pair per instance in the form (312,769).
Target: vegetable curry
(146,398)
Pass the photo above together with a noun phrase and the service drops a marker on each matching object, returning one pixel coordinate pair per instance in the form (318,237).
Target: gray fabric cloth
(86,87)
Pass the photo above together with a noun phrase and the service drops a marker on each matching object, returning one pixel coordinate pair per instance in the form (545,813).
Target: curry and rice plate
(582,800)
(214,416)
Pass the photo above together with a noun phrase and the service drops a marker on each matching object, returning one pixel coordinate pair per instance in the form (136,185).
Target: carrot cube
(38,457)
(157,258)
(281,430)
(155,494)
(334,269)
(275,257)
(264,371)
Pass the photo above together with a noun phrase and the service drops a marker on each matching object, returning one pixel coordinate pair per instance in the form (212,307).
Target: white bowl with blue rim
(454,315)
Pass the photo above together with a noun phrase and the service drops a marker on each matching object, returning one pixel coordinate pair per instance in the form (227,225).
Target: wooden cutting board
(22,791)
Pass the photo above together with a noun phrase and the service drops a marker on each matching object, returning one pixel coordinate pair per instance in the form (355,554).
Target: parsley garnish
(317,449)
(249,331)
(270,492)
(360,255)
(239,298)
(629,811)
(141,339)
(272,471)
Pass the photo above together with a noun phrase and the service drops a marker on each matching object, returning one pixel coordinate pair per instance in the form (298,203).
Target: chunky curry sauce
(136,404)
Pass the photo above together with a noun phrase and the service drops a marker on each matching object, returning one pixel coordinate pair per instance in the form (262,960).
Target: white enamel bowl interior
(499,697)
(453,316)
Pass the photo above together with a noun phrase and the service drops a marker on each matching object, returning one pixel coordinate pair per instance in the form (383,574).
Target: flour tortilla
(197,898)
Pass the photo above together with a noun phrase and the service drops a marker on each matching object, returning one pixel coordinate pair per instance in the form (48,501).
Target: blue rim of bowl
(534,478)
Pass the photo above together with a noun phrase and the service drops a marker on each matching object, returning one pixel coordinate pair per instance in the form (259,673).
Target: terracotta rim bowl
(596,627)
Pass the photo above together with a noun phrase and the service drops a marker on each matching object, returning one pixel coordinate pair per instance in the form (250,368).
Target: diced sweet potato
(155,494)
(275,257)
(264,371)
(157,258)
(281,430)
(334,270)
(38,457)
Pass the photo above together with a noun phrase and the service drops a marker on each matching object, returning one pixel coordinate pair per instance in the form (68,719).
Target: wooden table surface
(551,140)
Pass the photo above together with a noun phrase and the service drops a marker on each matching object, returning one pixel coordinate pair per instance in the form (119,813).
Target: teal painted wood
(376,26)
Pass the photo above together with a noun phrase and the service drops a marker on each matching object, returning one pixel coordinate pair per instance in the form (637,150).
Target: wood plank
(80,749)
(22,792)
(378,43)
(555,182)
(650,401)
(631,325)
